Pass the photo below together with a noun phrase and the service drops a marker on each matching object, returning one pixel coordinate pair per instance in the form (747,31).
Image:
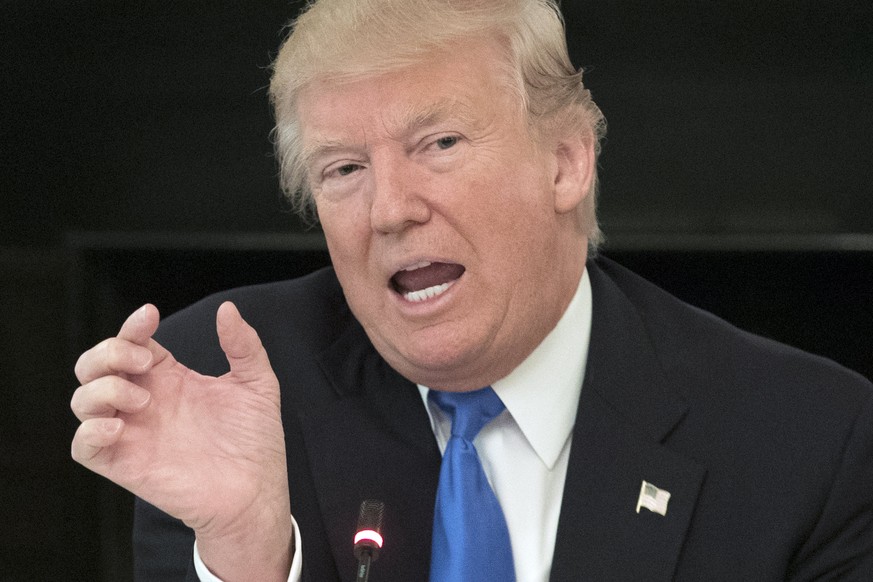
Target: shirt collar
(542,393)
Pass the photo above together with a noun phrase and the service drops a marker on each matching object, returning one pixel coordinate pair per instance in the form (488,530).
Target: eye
(447,142)
(347,169)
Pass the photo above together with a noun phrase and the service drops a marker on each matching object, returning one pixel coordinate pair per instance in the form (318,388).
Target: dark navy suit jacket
(767,451)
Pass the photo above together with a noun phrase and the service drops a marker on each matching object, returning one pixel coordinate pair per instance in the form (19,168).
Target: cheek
(347,246)
(343,222)
(510,205)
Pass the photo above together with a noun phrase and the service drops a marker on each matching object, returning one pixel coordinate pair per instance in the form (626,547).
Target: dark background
(136,165)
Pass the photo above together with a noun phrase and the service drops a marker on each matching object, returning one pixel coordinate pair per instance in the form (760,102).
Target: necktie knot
(469,411)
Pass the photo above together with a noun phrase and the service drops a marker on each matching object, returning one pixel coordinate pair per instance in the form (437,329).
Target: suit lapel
(626,409)
(373,442)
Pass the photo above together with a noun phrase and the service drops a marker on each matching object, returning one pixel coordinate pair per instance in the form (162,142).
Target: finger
(106,396)
(113,356)
(246,355)
(131,352)
(140,325)
(93,436)
(139,329)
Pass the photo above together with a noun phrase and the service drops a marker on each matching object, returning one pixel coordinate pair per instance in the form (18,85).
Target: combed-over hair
(346,40)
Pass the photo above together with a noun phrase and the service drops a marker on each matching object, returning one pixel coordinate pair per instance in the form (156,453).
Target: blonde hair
(344,40)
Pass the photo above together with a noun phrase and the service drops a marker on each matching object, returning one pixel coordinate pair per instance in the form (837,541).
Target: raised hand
(209,451)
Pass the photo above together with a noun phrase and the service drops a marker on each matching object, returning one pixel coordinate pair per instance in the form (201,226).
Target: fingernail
(111,425)
(142,359)
(141,398)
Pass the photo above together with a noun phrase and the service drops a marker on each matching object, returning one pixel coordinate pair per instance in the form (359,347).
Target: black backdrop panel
(730,116)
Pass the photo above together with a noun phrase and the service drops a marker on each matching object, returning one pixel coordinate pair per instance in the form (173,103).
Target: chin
(440,365)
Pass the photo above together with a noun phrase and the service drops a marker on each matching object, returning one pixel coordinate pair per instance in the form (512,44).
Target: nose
(398,200)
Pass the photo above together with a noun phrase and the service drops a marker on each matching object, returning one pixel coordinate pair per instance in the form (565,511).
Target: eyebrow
(415,118)
(319,149)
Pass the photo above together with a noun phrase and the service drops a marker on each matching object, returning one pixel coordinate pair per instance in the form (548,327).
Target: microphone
(368,537)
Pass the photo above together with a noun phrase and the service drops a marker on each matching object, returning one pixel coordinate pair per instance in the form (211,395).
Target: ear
(574,171)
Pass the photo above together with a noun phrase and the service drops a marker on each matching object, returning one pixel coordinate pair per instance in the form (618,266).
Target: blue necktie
(470,537)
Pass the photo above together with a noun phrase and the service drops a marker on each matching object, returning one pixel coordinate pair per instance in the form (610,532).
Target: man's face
(440,216)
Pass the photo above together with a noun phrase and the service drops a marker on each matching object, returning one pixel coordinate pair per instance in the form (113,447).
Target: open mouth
(425,280)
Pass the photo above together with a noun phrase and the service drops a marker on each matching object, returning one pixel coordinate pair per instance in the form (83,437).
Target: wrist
(258,550)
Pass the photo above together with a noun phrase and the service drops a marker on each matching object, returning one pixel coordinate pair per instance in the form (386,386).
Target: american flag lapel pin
(653,499)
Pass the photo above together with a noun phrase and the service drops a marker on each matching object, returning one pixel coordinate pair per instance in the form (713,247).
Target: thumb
(241,345)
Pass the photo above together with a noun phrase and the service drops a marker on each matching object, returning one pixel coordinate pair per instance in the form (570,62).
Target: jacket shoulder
(687,338)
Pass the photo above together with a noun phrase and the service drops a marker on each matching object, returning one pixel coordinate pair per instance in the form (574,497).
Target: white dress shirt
(525,450)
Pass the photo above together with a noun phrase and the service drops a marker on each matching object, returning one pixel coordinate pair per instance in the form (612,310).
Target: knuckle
(96,398)
(83,365)
(76,400)
(93,363)
(77,446)
(114,352)
(75,451)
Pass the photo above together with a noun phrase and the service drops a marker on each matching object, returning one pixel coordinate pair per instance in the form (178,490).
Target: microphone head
(368,536)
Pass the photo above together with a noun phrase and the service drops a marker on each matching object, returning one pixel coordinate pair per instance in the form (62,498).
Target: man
(450,151)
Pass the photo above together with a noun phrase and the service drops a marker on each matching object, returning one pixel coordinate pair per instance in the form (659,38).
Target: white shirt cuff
(296,573)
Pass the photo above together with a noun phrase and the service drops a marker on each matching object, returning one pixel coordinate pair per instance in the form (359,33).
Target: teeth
(420,265)
(423,294)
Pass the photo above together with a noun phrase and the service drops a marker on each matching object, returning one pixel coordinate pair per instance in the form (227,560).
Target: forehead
(447,84)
